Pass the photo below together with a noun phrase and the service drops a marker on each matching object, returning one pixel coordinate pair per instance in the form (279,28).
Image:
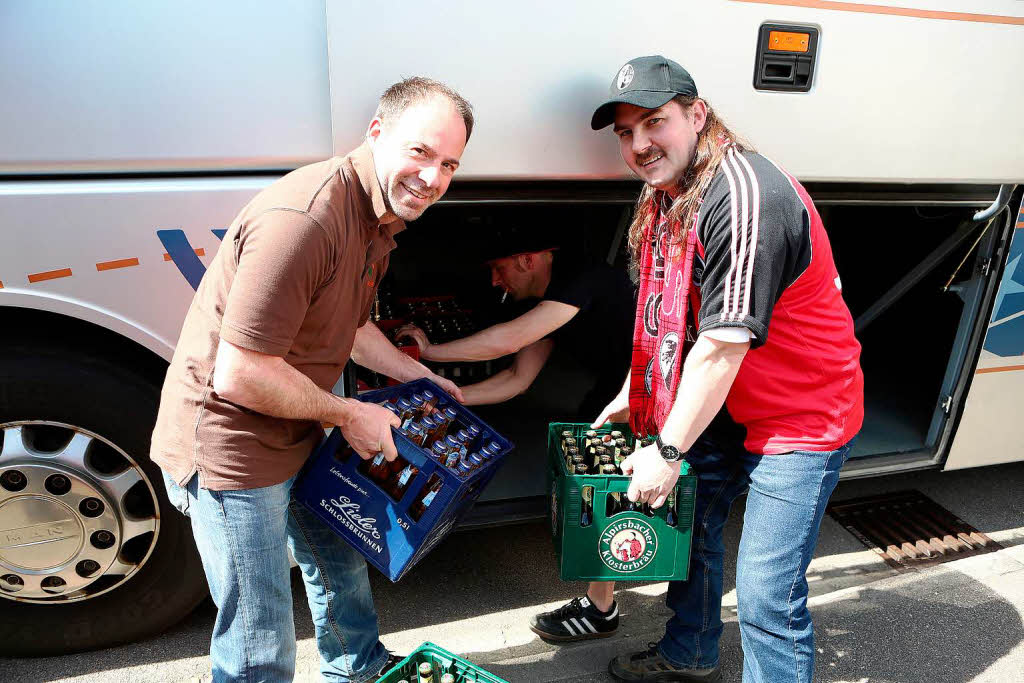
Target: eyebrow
(650,112)
(433,152)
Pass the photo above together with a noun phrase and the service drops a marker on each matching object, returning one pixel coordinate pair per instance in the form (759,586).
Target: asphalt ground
(953,623)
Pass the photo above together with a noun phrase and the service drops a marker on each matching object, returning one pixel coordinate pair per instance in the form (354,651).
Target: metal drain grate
(909,530)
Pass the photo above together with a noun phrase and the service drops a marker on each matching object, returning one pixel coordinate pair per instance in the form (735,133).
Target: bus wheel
(91,552)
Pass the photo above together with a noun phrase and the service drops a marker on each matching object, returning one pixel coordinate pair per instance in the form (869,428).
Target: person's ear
(374,130)
(699,115)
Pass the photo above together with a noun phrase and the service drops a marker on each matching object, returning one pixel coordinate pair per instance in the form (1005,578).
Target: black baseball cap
(515,230)
(647,82)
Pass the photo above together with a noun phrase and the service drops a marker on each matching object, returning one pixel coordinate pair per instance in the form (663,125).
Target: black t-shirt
(600,336)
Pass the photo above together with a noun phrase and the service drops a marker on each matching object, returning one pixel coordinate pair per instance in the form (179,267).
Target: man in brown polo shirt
(281,309)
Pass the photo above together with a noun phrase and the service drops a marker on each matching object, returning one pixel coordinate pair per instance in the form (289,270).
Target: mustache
(648,155)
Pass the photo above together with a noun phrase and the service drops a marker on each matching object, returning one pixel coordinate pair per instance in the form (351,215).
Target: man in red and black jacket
(744,362)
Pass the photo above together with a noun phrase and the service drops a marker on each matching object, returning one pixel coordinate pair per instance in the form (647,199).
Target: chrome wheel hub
(78,516)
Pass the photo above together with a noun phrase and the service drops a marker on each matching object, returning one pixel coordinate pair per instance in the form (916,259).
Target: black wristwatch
(668,453)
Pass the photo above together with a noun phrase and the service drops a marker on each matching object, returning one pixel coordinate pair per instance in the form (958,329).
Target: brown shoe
(649,665)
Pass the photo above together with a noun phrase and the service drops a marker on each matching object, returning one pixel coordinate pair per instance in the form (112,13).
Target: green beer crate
(442,662)
(626,546)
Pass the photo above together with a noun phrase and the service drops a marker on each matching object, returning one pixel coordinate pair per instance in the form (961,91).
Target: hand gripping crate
(443,662)
(625,546)
(333,485)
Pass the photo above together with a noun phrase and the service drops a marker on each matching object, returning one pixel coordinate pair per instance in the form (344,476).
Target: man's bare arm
(371,349)
(512,381)
(267,384)
(505,338)
(708,374)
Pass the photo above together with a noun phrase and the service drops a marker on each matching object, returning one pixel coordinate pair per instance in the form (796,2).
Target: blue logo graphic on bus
(184,255)
(1006,328)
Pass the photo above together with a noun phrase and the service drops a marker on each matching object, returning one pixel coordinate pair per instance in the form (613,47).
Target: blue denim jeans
(244,538)
(785,503)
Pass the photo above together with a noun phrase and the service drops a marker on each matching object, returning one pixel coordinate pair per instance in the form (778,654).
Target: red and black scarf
(659,335)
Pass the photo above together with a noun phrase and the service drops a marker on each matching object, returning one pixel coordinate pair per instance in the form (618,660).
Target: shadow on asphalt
(894,635)
(882,636)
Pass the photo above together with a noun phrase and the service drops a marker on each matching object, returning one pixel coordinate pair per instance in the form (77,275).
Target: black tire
(120,404)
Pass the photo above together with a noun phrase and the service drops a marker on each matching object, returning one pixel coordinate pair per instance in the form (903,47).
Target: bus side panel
(991,430)
(91,249)
(883,103)
(93,85)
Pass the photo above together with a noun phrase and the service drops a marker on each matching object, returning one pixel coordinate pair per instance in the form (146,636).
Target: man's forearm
(708,373)
(372,350)
(495,389)
(484,345)
(269,385)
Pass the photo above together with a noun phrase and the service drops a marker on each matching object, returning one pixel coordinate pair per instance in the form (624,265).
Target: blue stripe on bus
(183,255)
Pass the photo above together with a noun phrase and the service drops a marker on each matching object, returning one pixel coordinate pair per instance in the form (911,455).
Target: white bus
(132,133)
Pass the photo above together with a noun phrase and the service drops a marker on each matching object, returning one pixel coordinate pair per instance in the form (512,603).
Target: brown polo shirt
(295,277)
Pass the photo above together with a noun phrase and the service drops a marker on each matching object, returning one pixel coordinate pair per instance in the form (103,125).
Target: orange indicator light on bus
(788,42)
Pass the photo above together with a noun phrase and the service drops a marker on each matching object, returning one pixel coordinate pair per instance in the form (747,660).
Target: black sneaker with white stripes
(578,619)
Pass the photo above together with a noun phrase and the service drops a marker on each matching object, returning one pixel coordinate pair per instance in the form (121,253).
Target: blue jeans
(244,538)
(785,504)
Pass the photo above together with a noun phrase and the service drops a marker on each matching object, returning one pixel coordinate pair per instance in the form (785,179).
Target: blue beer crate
(334,487)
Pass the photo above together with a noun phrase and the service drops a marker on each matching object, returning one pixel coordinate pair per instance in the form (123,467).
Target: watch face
(670,453)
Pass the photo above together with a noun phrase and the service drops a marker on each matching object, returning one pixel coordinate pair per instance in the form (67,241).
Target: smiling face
(416,154)
(658,144)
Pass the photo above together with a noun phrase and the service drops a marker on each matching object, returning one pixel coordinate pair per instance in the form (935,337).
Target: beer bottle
(417,509)
(429,401)
(570,454)
(566,435)
(619,445)
(417,402)
(587,508)
(438,451)
(429,425)
(474,435)
(463,468)
(591,437)
(609,470)
(378,469)
(577,462)
(581,468)
(463,437)
(405,409)
(613,504)
(401,483)
(426,672)
(606,459)
(616,435)
(475,460)
(416,433)
(447,678)
(596,457)
(671,516)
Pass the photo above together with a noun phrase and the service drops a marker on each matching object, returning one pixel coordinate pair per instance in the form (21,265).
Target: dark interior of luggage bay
(895,255)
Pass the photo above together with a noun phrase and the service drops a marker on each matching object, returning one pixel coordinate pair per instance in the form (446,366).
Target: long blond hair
(712,142)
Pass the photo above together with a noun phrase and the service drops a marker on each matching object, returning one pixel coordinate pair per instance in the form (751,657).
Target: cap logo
(625,76)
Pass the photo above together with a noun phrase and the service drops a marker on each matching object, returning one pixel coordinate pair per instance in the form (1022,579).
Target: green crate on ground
(443,662)
(627,546)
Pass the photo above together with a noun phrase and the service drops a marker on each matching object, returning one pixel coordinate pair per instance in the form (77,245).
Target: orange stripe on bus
(1003,368)
(1,284)
(49,275)
(895,11)
(119,263)
(199,252)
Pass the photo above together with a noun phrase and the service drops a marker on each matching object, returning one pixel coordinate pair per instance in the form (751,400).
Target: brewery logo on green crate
(628,545)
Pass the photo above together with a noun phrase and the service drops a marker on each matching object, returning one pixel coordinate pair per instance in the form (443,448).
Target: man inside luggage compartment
(282,308)
(584,310)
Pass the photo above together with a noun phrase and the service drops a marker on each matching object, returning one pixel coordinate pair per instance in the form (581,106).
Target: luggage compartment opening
(911,352)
